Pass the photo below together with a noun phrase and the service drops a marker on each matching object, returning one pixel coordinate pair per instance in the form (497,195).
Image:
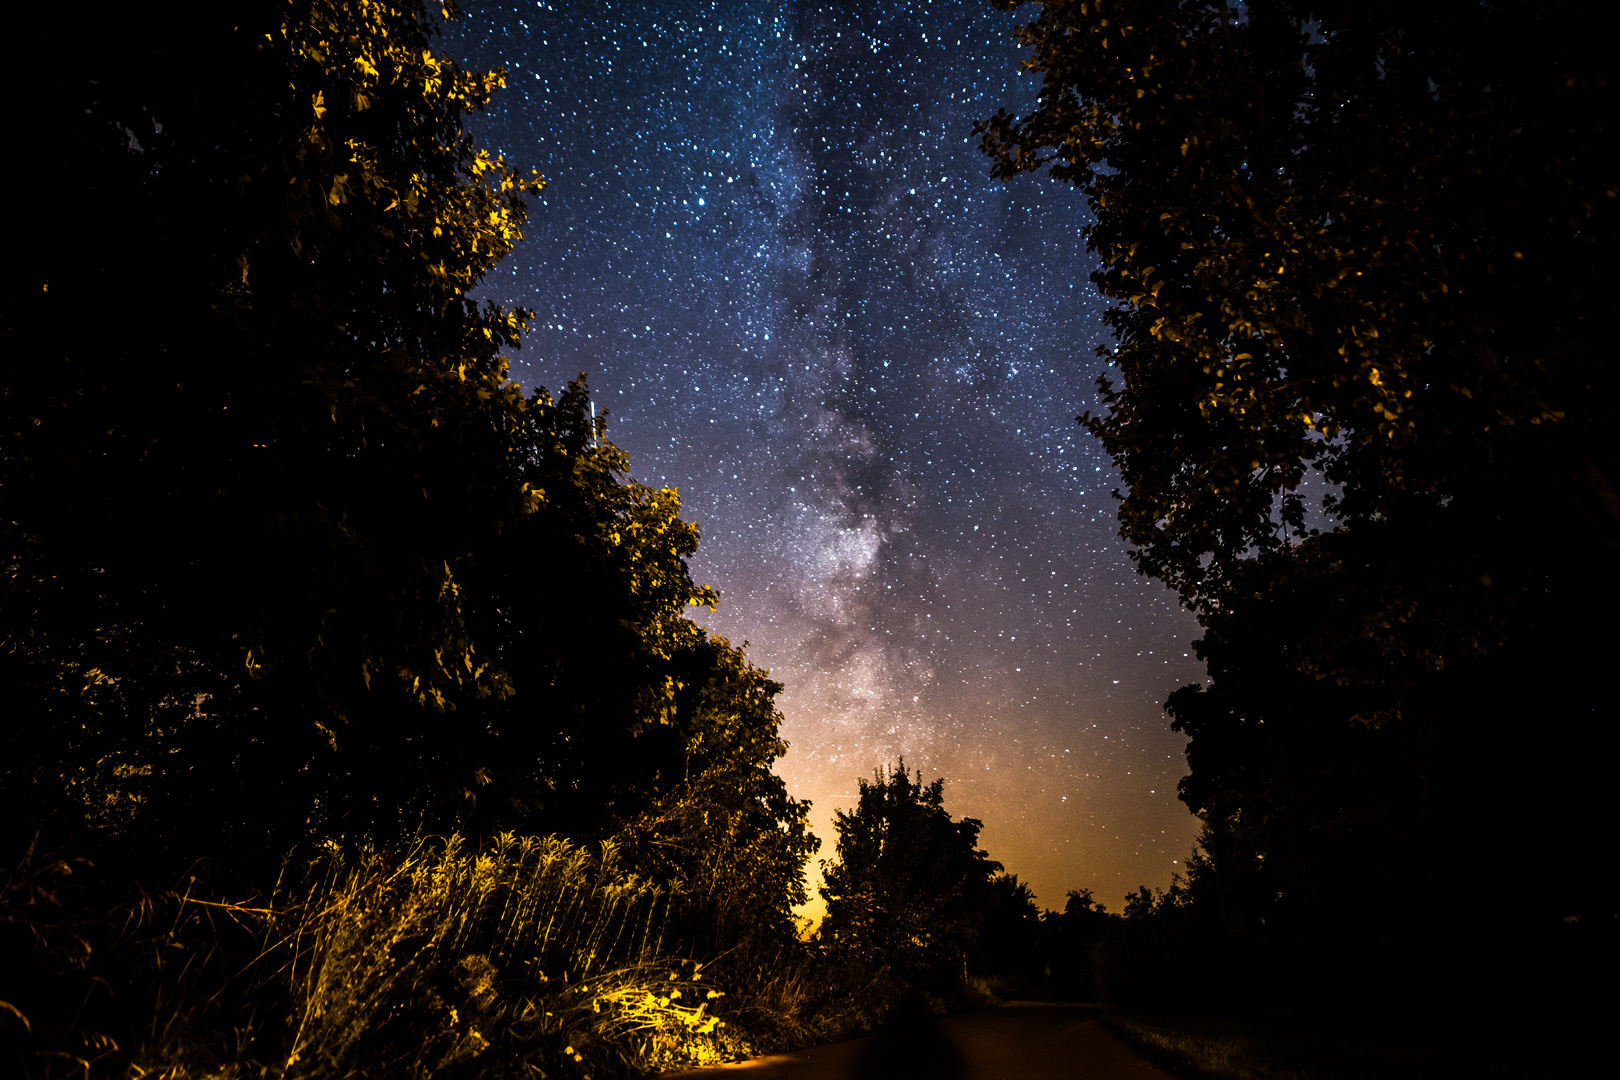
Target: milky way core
(770,239)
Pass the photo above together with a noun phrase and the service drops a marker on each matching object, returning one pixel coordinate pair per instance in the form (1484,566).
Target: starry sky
(770,239)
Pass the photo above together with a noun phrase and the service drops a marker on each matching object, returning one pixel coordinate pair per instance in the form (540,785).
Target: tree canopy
(288,554)
(1356,240)
(1362,400)
(248,483)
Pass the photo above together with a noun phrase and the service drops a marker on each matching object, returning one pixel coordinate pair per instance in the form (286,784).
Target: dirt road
(1014,1042)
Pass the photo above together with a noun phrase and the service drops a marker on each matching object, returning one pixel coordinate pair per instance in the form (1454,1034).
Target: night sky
(771,240)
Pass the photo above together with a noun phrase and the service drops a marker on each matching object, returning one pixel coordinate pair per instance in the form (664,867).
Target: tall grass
(534,957)
(530,958)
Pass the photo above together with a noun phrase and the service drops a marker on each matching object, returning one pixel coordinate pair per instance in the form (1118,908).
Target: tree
(1334,801)
(908,887)
(1068,938)
(1159,955)
(326,572)
(1009,939)
(292,577)
(580,606)
(292,568)
(1357,247)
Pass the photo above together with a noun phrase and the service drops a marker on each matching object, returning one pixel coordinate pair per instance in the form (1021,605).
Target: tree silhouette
(1009,939)
(1355,250)
(908,888)
(1067,940)
(288,555)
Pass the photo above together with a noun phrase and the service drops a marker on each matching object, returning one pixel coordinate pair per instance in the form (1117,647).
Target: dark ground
(1027,1041)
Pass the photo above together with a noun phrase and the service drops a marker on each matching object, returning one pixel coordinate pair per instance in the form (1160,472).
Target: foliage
(86,978)
(1167,951)
(908,888)
(729,831)
(1315,223)
(329,572)
(330,582)
(627,719)
(1068,938)
(506,958)
(1009,939)
(1356,247)
(290,429)
(1317,818)
(325,581)
(583,605)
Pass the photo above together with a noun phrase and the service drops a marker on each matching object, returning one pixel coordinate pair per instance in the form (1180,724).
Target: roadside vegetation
(1362,401)
(518,957)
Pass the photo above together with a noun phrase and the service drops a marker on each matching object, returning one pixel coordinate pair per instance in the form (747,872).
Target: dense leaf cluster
(254,428)
(1355,239)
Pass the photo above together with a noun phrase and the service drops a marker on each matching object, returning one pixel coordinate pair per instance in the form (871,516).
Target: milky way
(770,239)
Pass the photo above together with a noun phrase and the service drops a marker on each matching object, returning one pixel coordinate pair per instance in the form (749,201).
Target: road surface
(1013,1042)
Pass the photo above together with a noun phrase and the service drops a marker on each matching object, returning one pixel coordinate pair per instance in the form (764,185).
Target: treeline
(1363,401)
(921,920)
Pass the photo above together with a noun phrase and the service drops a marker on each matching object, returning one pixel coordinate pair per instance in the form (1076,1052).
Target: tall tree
(1009,941)
(1357,248)
(287,552)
